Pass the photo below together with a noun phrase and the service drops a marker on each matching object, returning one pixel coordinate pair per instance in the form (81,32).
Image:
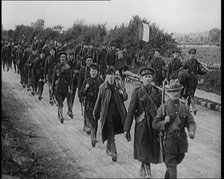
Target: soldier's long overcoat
(101,108)
(143,108)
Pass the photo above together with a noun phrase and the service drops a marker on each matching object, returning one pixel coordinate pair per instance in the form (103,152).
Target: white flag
(145,36)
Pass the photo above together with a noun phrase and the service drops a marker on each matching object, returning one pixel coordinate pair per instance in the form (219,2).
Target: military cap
(70,51)
(27,46)
(94,66)
(193,50)
(63,53)
(113,43)
(110,70)
(42,51)
(88,56)
(174,86)
(146,71)
(175,50)
(53,48)
(157,50)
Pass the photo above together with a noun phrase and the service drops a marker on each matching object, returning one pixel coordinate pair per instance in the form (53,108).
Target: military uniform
(24,68)
(102,62)
(158,64)
(38,67)
(61,82)
(111,111)
(75,67)
(90,95)
(110,58)
(143,106)
(175,138)
(49,66)
(173,68)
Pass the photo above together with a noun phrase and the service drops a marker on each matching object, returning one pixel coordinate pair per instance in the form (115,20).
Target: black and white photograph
(111,89)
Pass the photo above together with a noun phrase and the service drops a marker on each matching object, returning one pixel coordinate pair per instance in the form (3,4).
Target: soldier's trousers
(60,97)
(171,161)
(51,95)
(70,100)
(93,123)
(109,126)
(40,88)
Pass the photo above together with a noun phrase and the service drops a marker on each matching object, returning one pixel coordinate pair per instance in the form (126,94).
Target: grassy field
(206,54)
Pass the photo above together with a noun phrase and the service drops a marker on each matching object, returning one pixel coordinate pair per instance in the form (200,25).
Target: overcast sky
(181,16)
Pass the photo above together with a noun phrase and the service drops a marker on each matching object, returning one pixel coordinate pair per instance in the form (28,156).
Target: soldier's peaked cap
(157,50)
(193,50)
(42,51)
(110,70)
(70,51)
(94,66)
(146,71)
(175,50)
(174,86)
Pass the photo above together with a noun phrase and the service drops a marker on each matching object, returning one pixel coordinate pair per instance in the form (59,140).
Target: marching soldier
(84,74)
(157,63)
(174,65)
(102,60)
(144,103)
(19,55)
(172,118)
(50,63)
(62,83)
(31,82)
(82,54)
(38,67)
(111,111)
(90,90)
(23,66)
(111,55)
(194,68)
(75,67)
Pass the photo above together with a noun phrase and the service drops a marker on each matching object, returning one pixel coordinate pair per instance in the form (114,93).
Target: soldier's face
(62,59)
(147,79)
(52,52)
(192,55)
(175,55)
(42,55)
(89,61)
(70,56)
(93,73)
(110,78)
(157,54)
(174,95)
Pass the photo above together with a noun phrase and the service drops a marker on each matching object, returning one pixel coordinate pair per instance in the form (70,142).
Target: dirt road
(203,159)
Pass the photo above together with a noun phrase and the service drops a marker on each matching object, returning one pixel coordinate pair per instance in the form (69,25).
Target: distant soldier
(23,66)
(19,55)
(62,83)
(90,90)
(84,74)
(31,81)
(144,103)
(157,63)
(111,111)
(120,62)
(50,63)
(194,68)
(111,55)
(82,54)
(174,65)
(4,57)
(92,52)
(14,59)
(102,61)
(172,118)
(38,67)
(75,67)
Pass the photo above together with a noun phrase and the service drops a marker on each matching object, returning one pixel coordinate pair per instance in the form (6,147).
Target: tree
(214,35)
(39,24)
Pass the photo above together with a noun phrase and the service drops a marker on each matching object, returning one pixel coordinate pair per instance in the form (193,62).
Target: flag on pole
(144,32)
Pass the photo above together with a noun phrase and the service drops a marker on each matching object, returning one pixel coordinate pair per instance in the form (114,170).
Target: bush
(212,82)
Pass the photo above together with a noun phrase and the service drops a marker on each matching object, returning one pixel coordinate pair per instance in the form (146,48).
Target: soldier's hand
(191,135)
(87,86)
(167,119)
(127,136)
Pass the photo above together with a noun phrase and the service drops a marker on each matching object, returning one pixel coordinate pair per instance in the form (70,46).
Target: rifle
(161,134)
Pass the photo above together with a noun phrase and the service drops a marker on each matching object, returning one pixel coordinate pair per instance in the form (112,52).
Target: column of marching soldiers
(98,75)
